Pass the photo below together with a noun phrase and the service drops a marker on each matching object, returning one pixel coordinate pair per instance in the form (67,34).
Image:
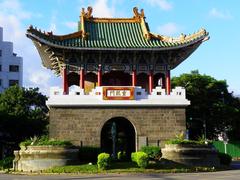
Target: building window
(0,82)
(0,67)
(13,82)
(0,52)
(13,68)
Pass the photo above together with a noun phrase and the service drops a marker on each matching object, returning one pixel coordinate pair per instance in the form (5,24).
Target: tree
(23,114)
(211,105)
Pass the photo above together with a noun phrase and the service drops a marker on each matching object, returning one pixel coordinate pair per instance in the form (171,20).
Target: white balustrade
(158,97)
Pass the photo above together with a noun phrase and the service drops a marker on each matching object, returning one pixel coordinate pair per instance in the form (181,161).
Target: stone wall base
(83,125)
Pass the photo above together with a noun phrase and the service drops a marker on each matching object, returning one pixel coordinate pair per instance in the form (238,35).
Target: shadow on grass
(123,165)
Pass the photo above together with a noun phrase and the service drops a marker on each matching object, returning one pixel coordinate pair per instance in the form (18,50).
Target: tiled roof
(112,33)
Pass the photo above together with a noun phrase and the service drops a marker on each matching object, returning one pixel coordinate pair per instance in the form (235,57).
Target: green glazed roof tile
(112,35)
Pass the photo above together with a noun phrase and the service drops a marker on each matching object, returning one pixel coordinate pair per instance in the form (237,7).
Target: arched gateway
(125,136)
(119,69)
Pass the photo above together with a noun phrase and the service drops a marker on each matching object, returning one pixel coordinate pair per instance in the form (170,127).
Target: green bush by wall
(6,163)
(103,161)
(153,152)
(141,158)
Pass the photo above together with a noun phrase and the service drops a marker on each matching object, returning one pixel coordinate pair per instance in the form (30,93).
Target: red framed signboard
(118,93)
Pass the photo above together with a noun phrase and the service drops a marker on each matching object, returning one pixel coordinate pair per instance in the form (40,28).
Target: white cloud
(215,13)
(53,27)
(169,29)
(71,25)
(163,4)
(101,8)
(40,77)
(14,7)
(53,23)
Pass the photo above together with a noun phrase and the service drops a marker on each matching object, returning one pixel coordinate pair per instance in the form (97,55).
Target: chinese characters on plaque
(118,93)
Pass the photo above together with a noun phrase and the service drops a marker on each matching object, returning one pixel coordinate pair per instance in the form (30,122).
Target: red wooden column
(99,75)
(82,79)
(134,78)
(168,82)
(65,81)
(150,82)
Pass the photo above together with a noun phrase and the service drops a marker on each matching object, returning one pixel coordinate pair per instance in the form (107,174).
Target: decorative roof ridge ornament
(137,14)
(183,38)
(141,16)
(85,15)
(88,14)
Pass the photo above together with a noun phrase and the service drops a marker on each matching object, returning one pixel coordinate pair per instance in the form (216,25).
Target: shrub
(153,152)
(134,156)
(141,158)
(121,155)
(225,159)
(6,163)
(89,154)
(44,141)
(103,161)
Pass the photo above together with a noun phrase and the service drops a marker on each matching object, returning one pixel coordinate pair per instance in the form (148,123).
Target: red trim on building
(168,82)
(99,75)
(65,81)
(134,78)
(82,78)
(150,82)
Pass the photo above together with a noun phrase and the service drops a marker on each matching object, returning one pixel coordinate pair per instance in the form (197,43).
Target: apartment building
(11,65)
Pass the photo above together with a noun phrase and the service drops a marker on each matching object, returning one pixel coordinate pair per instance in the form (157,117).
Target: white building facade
(11,65)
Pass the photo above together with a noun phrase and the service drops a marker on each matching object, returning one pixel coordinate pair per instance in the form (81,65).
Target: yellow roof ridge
(138,17)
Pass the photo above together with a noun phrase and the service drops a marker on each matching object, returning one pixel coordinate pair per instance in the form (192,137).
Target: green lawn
(127,167)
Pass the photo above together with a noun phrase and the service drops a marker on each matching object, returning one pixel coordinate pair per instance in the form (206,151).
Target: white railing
(139,93)
(117,96)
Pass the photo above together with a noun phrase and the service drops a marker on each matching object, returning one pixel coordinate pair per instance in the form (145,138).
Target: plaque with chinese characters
(118,93)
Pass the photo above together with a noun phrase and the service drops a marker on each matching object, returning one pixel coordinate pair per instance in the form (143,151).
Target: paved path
(223,175)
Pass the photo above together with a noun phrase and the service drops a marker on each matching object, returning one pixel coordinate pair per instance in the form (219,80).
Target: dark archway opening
(125,136)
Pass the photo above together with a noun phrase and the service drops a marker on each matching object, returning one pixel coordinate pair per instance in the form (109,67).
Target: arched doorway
(125,136)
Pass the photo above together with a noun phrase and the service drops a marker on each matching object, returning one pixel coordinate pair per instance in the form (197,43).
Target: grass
(128,167)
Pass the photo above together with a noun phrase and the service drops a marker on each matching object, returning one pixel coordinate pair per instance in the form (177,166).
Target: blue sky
(218,57)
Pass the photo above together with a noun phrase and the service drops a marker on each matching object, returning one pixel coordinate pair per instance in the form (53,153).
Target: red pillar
(82,80)
(65,81)
(150,82)
(168,82)
(99,75)
(134,78)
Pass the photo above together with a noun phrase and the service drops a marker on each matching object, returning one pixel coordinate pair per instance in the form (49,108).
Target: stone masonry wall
(83,125)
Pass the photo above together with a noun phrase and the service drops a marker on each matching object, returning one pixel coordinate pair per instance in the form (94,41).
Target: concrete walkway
(223,175)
